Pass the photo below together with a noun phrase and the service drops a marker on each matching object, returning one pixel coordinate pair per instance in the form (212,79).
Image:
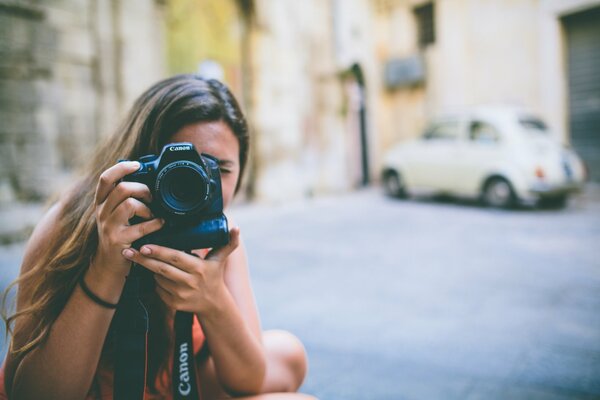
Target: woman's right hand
(116,203)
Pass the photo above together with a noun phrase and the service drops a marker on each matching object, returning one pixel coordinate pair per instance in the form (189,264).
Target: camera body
(186,193)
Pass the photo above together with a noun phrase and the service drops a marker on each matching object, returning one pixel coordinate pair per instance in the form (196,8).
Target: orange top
(105,377)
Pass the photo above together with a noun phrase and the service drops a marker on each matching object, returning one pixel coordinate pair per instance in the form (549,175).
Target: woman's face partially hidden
(217,139)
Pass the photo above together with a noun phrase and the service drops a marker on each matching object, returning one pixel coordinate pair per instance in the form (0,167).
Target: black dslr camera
(186,193)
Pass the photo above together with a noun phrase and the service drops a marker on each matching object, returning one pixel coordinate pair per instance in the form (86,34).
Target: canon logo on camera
(180,148)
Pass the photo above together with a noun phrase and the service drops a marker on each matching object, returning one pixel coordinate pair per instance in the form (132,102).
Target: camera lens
(183,187)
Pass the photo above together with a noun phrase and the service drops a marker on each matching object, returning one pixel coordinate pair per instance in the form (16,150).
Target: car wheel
(393,184)
(556,202)
(498,193)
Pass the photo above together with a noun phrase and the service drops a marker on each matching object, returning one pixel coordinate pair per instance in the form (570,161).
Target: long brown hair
(158,113)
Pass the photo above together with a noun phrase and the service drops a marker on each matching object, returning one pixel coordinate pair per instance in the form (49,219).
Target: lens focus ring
(183,187)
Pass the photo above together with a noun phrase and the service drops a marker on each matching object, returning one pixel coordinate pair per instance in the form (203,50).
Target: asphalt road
(426,299)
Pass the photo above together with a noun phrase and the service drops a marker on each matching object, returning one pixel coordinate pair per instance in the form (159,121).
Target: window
(442,131)
(533,125)
(482,132)
(425,24)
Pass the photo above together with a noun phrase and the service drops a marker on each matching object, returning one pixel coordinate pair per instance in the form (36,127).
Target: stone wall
(68,71)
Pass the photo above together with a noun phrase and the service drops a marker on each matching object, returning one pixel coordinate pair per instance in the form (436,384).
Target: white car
(501,155)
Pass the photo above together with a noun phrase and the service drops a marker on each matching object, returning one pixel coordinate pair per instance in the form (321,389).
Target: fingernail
(135,164)
(128,253)
(145,250)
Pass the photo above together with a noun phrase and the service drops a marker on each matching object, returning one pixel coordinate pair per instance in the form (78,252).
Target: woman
(77,259)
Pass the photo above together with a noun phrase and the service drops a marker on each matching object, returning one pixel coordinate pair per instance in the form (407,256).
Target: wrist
(106,283)
(109,269)
(219,303)
(92,296)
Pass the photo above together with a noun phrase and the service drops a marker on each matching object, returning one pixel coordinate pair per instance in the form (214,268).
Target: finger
(165,295)
(137,231)
(156,266)
(222,253)
(176,258)
(130,208)
(123,190)
(110,177)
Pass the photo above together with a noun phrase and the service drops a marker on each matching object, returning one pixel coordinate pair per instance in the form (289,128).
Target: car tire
(393,184)
(554,203)
(498,193)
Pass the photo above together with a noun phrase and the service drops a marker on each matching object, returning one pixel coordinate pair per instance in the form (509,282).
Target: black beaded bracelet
(92,296)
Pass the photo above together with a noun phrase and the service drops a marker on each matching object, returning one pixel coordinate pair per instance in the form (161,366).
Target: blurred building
(68,70)
(328,86)
(541,55)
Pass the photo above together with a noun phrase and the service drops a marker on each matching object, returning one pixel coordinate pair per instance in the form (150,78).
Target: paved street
(428,299)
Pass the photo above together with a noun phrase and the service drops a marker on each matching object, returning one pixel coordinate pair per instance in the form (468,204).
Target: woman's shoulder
(42,234)
(36,246)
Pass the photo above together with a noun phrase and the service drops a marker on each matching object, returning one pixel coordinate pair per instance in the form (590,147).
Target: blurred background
(427,298)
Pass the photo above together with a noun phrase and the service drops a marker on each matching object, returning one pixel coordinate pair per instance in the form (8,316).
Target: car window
(483,132)
(533,125)
(448,130)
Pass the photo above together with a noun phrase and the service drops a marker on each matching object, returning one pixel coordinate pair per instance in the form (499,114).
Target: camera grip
(207,234)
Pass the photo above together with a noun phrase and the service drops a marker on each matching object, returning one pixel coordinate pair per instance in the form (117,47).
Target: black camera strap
(131,329)
(184,366)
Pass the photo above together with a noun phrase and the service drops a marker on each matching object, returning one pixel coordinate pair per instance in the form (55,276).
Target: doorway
(358,152)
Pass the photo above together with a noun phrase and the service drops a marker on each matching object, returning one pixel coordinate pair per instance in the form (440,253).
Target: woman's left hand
(184,281)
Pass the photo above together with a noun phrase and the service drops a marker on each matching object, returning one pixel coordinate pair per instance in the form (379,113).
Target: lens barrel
(183,187)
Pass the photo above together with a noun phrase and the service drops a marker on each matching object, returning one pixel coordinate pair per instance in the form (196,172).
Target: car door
(435,153)
(480,155)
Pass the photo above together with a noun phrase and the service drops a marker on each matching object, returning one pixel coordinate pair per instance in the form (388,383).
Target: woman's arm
(237,279)
(63,366)
(228,318)
(221,331)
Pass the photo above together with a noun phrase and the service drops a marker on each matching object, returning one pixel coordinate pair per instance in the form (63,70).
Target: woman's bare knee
(286,361)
